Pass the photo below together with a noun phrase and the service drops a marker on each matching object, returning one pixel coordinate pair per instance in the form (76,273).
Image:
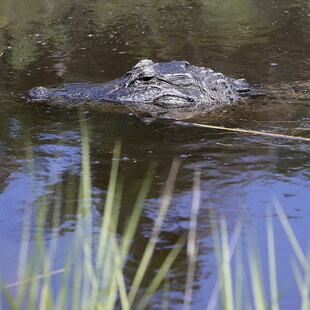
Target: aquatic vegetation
(88,269)
(91,273)
(242,283)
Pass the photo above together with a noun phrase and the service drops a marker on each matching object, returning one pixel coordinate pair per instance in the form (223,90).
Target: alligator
(173,89)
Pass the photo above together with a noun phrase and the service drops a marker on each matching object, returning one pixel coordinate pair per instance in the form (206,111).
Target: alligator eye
(146,78)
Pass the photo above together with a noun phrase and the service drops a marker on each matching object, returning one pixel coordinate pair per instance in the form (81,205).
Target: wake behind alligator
(173,89)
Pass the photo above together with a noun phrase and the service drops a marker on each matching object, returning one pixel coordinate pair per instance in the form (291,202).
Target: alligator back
(289,92)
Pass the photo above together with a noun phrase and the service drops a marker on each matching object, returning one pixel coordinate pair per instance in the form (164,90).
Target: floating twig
(41,276)
(275,135)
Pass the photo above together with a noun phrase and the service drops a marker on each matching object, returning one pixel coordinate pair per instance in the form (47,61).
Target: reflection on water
(95,41)
(44,43)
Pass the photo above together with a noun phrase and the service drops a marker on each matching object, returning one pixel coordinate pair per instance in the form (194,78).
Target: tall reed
(92,271)
(90,277)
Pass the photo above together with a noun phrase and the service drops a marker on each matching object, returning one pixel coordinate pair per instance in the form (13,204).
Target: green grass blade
(226,283)
(291,236)
(217,290)
(5,292)
(119,257)
(302,284)
(85,186)
(256,276)
(218,257)
(272,264)
(110,268)
(166,198)
(161,274)
(107,216)
(239,279)
(77,288)
(192,244)
(136,214)
(165,298)
(119,278)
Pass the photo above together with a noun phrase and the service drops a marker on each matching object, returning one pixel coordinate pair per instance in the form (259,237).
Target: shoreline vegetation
(91,274)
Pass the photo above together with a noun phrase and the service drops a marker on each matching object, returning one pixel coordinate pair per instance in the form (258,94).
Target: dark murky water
(45,43)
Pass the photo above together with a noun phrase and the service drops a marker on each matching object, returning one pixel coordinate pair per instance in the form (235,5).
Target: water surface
(45,43)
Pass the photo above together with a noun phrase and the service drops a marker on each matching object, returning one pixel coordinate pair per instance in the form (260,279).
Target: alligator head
(170,85)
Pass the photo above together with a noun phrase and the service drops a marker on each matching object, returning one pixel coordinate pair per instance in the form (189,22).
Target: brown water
(49,42)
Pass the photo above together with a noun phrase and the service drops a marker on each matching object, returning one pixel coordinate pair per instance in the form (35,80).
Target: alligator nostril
(39,93)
